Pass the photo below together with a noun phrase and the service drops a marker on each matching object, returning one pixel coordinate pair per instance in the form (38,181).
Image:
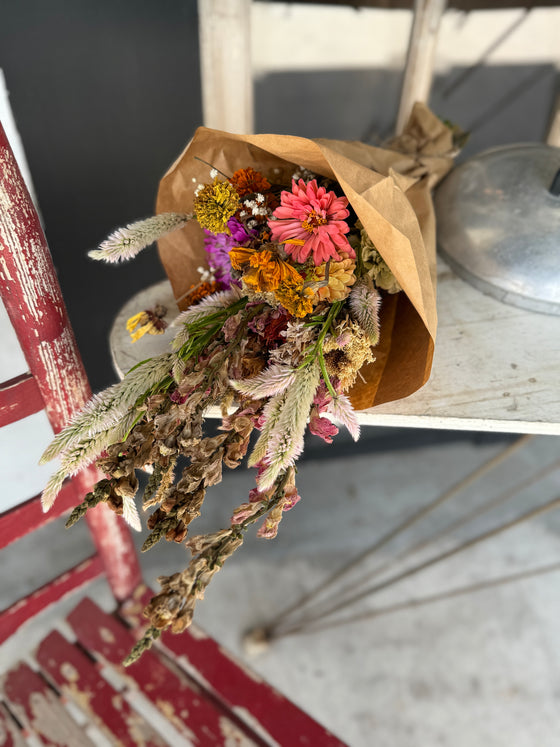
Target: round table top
(495,366)
(124,353)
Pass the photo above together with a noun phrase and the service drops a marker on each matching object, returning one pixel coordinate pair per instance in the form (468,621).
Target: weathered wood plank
(18,613)
(419,66)
(19,398)
(77,677)
(235,685)
(225,64)
(39,709)
(33,300)
(10,733)
(181,700)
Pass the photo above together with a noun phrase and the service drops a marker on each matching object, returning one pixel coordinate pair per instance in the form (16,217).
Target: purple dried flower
(217,246)
(240,234)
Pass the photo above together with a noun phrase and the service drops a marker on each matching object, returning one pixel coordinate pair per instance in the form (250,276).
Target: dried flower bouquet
(277,330)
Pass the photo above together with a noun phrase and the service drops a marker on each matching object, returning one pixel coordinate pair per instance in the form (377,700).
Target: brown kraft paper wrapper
(390,191)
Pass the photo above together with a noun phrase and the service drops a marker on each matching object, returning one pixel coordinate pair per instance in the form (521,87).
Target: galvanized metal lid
(498,222)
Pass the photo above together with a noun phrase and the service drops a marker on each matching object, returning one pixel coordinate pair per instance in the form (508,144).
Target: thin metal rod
(407,573)
(385,539)
(484,57)
(423,601)
(407,551)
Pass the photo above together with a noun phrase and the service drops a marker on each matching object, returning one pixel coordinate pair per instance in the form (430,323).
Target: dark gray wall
(105,93)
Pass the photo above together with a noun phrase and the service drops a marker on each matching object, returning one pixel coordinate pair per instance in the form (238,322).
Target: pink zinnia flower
(310,219)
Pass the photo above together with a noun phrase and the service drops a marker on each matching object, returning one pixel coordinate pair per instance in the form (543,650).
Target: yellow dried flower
(346,351)
(296,299)
(215,204)
(341,278)
(148,322)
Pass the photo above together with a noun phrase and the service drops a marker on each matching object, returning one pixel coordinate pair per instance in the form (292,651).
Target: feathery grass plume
(87,450)
(94,415)
(274,380)
(52,489)
(126,243)
(208,305)
(365,301)
(130,513)
(285,440)
(178,370)
(271,413)
(106,409)
(341,409)
(83,453)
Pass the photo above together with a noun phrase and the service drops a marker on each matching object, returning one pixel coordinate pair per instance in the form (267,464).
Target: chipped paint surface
(106,635)
(10,734)
(168,711)
(233,737)
(49,719)
(33,299)
(69,672)
(197,633)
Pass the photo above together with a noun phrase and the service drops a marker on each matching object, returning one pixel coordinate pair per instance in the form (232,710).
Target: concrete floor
(478,669)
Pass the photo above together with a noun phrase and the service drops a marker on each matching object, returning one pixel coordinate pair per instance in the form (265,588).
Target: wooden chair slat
(18,613)
(78,678)
(10,733)
(40,710)
(234,684)
(19,398)
(184,703)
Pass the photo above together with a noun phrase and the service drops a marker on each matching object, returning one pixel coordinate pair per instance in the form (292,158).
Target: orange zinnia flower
(263,271)
(248,182)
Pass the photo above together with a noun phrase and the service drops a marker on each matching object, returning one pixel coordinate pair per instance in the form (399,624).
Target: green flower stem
(324,372)
(360,260)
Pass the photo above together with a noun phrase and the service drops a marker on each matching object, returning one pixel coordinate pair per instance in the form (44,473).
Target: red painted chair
(205,697)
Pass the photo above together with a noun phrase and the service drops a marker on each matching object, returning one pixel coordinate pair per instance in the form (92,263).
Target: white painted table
(496,367)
